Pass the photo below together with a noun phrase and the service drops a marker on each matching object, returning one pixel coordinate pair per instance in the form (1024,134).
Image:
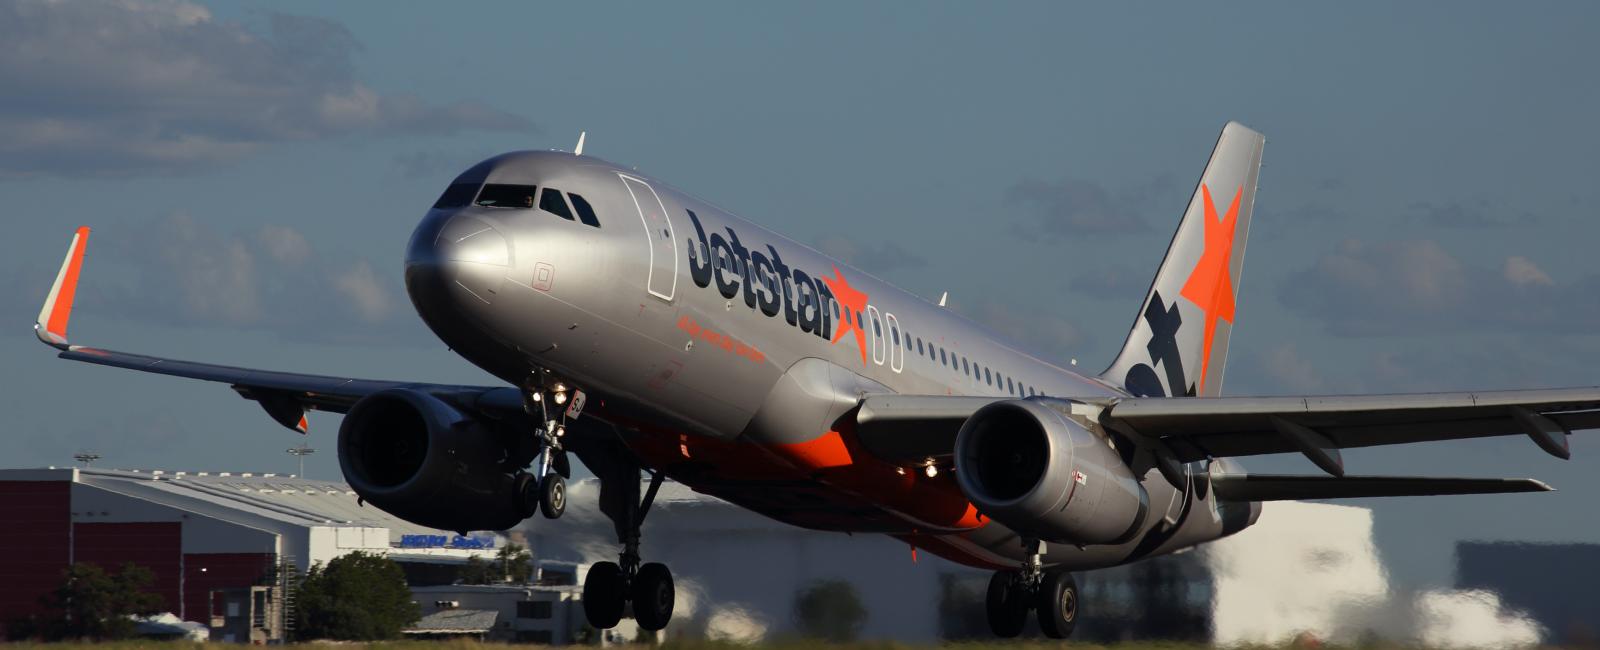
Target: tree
(356,597)
(476,572)
(516,564)
(512,563)
(831,610)
(92,604)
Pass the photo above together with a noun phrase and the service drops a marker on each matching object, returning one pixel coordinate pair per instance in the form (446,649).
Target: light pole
(301,452)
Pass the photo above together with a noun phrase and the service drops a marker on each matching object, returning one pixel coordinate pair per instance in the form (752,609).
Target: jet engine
(1029,466)
(424,461)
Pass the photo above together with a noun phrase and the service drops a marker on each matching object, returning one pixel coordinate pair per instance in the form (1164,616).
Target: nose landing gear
(1051,594)
(545,491)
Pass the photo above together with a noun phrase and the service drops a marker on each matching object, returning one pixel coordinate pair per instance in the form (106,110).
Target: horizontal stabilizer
(1279,487)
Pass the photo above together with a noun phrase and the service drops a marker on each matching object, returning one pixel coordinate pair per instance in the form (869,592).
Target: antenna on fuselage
(942,298)
(578,151)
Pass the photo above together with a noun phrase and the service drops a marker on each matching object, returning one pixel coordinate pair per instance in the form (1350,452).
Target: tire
(603,596)
(1057,606)
(526,494)
(653,596)
(553,496)
(1006,605)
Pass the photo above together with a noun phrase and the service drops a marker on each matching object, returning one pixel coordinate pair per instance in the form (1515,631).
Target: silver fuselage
(692,329)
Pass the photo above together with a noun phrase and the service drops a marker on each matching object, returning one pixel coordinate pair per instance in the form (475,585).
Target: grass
(789,644)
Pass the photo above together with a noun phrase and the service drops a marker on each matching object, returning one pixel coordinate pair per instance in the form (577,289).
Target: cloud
(1112,283)
(874,257)
(1418,288)
(1056,337)
(1478,215)
(1283,368)
(180,271)
(1521,272)
(145,86)
(1074,207)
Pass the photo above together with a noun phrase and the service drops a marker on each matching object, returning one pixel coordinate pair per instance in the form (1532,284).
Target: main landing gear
(610,587)
(545,490)
(1051,594)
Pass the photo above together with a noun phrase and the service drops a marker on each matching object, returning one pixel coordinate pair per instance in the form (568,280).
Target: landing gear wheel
(526,493)
(1058,604)
(603,595)
(653,596)
(1006,604)
(553,496)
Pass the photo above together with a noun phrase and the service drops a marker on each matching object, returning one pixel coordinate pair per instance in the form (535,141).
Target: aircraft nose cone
(464,256)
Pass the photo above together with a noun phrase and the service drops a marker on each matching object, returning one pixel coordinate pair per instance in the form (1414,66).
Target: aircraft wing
(910,428)
(1276,487)
(285,396)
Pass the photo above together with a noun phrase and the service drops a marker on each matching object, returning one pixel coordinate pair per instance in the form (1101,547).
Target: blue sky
(252,171)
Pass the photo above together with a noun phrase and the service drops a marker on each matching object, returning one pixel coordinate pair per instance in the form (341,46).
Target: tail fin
(1179,342)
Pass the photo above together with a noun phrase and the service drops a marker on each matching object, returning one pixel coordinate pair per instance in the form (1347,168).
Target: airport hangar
(199,533)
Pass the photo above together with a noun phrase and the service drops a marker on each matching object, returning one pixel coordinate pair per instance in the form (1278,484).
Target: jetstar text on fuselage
(767,283)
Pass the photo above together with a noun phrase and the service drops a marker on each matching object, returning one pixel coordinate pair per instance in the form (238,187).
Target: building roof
(243,497)
(456,621)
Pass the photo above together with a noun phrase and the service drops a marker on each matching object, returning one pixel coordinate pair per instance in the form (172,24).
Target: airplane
(646,330)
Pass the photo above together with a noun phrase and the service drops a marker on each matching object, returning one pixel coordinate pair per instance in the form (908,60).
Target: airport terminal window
(585,211)
(536,609)
(552,202)
(506,196)
(458,195)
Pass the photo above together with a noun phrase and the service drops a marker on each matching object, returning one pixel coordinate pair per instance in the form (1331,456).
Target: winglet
(52,324)
(579,151)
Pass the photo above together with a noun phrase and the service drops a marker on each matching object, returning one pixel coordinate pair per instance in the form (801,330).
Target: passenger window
(942,360)
(457,195)
(919,346)
(1010,388)
(585,212)
(988,378)
(964,367)
(552,202)
(506,196)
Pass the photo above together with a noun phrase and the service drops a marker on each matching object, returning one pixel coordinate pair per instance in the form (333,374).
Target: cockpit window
(585,212)
(552,202)
(506,196)
(458,195)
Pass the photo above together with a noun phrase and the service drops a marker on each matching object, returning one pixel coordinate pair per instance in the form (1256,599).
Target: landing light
(561,398)
(561,431)
(538,397)
(931,470)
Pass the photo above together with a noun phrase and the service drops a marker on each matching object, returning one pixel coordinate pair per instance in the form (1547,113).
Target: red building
(197,532)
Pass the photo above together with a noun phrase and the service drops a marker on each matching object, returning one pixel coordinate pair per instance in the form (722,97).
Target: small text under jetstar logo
(766,283)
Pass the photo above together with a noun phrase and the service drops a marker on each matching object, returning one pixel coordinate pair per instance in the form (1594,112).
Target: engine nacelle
(424,461)
(1027,465)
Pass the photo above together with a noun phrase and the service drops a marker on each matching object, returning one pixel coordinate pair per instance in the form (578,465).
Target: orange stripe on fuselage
(835,458)
(832,467)
(61,312)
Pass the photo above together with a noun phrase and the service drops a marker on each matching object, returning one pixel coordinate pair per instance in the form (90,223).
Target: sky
(252,171)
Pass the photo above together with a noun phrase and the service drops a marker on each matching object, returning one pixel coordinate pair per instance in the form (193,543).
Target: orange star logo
(1210,285)
(854,303)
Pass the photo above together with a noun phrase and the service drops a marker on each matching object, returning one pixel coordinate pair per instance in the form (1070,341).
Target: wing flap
(1197,428)
(1276,487)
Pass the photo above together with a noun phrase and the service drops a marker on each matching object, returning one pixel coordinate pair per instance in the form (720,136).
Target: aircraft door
(663,279)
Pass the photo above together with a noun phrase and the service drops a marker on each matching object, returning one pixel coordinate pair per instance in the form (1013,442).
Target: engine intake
(1027,465)
(424,461)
